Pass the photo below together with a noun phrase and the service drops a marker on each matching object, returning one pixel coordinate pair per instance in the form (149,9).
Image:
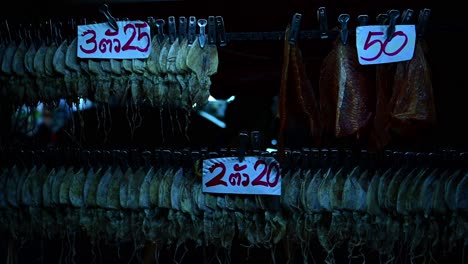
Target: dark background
(251,71)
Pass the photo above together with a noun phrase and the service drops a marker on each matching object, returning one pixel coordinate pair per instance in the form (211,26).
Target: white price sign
(255,175)
(100,41)
(374,48)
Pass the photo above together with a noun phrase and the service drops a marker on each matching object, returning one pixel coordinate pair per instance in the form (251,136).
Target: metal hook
(393,14)
(202,36)
(343,19)
(295,28)
(104,9)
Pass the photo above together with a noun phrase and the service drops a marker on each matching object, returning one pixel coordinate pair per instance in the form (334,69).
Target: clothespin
(256,141)
(382,19)
(323,22)
(295,29)
(211,30)
(104,9)
(220,31)
(393,15)
(315,157)
(362,20)
(323,158)
(160,25)
(343,19)
(182,27)
(243,141)
(177,158)
(172,29)
(422,21)
(152,24)
(295,158)
(85,156)
(192,29)
(166,157)
(334,158)
(406,16)
(305,159)
(202,36)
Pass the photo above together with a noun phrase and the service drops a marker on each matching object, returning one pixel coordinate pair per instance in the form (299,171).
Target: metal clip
(323,22)
(422,21)
(406,16)
(104,9)
(382,19)
(160,25)
(256,140)
(172,29)
(393,14)
(202,36)
(243,141)
(220,31)
(211,30)
(192,29)
(295,28)
(152,24)
(362,20)
(182,27)
(343,19)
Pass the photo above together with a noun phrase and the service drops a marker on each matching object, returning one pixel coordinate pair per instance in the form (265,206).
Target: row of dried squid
(420,208)
(175,74)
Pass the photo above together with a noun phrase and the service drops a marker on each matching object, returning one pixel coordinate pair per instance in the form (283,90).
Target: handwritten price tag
(374,48)
(255,175)
(100,41)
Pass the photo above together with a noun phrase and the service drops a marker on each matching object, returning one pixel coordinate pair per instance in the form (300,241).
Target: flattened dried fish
(324,191)
(313,203)
(123,189)
(76,192)
(91,187)
(144,200)
(154,188)
(64,197)
(134,185)
(113,195)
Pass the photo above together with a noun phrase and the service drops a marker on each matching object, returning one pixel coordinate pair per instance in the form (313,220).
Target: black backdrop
(255,79)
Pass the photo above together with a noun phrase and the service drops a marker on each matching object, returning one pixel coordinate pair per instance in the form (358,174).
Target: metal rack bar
(276,35)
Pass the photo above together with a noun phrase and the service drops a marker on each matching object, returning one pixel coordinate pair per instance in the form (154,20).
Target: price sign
(255,175)
(100,41)
(374,48)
